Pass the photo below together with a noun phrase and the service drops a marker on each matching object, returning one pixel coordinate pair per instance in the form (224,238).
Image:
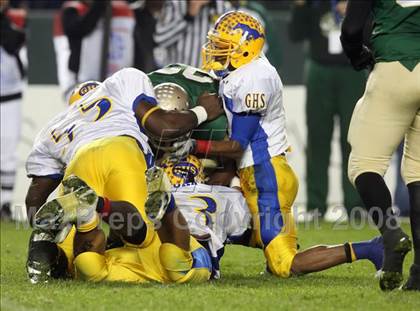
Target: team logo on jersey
(255,100)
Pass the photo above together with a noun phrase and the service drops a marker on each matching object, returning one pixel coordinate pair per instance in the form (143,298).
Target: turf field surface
(243,286)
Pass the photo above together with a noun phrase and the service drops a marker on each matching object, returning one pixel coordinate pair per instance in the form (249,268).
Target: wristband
(201,114)
(235,182)
(202,146)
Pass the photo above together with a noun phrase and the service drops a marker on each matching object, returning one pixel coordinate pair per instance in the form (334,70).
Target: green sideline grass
(243,286)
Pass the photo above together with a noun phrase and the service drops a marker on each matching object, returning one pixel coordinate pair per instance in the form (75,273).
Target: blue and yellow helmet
(235,40)
(81,90)
(184,171)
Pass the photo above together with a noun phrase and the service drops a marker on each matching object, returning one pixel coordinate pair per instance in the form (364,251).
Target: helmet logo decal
(249,33)
(87,87)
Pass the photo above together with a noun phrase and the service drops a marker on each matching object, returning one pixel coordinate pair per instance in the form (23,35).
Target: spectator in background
(181,29)
(12,74)
(79,34)
(146,13)
(332,89)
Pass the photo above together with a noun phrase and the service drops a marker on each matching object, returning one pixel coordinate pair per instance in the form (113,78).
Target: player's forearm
(171,124)
(230,148)
(38,193)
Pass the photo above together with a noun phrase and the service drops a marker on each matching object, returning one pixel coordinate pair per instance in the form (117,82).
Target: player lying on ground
(97,138)
(173,256)
(217,215)
(387,114)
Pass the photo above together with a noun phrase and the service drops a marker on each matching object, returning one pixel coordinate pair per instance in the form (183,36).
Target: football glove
(184,148)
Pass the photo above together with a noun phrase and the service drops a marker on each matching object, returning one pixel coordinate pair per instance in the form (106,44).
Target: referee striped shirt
(181,37)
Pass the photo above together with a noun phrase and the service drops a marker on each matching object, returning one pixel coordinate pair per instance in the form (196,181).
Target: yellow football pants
(270,189)
(164,263)
(115,168)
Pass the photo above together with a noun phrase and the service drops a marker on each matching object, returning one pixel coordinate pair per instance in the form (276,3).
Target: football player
(387,113)
(98,139)
(252,94)
(217,215)
(166,259)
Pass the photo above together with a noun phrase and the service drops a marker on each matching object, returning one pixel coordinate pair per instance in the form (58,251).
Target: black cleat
(46,260)
(396,245)
(413,282)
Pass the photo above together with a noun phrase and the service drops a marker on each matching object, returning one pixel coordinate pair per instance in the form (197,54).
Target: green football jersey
(195,82)
(396,33)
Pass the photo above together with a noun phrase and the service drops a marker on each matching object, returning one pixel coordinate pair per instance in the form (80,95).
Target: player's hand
(213,105)
(364,60)
(183,148)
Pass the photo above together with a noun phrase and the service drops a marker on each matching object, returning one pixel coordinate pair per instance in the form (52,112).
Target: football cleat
(395,249)
(76,206)
(45,260)
(159,193)
(413,282)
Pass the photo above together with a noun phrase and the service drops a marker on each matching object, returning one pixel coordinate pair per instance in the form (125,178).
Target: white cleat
(158,193)
(76,206)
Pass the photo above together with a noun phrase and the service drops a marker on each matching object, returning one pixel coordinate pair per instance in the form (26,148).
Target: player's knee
(280,254)
(359,165)
(91,266)
(184,266)
(410,170)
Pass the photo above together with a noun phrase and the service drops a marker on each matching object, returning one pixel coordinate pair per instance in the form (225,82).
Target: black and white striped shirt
(181,38)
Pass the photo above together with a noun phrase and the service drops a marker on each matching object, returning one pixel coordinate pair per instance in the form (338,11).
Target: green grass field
(243,286)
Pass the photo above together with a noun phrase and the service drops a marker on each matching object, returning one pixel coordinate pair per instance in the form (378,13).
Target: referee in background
(182,28)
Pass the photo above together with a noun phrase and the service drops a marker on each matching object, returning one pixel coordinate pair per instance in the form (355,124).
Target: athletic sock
(103,207)
(414,193)
(377,199)
(371,250)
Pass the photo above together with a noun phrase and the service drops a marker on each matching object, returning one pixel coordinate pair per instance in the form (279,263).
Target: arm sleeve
(352,30)
(299,23)
(75,25)
(41,164)
(133,87)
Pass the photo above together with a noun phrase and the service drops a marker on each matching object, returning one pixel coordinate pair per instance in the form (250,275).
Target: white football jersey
(255,90)
(215,214)
(106,111)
